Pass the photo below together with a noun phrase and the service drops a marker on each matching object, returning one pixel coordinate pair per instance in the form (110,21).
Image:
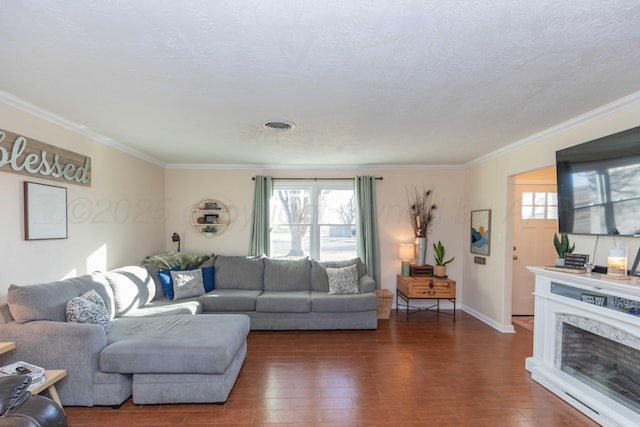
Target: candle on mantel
(617,262)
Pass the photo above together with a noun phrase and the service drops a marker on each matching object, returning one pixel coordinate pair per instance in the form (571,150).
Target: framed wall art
(481,232)
(45,211)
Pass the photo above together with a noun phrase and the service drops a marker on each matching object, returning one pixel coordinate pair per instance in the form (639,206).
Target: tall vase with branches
(421,213)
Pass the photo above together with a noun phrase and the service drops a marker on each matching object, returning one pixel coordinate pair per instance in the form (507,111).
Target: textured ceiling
(366,82)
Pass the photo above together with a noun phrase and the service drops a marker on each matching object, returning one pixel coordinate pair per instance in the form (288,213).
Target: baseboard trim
(507,329)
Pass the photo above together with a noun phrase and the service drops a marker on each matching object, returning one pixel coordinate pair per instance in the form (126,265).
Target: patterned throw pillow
(89,308)
(343,280)
(187,284)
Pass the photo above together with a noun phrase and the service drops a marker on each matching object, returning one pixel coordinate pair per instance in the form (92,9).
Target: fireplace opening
(606,365)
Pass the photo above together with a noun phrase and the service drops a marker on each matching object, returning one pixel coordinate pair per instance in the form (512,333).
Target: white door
(534,226)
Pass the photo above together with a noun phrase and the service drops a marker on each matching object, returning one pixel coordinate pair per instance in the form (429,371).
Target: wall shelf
(210,217)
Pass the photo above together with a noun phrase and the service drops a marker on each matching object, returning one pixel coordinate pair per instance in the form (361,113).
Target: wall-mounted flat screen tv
(599,186)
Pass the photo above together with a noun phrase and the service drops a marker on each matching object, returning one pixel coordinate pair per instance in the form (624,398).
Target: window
(313,218)
(539,205)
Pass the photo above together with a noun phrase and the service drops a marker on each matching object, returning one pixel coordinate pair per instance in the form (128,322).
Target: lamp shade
(406,251)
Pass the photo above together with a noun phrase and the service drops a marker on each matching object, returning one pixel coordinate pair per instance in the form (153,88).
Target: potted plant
(209,230)
(562,247)
(439,255)
(421,214)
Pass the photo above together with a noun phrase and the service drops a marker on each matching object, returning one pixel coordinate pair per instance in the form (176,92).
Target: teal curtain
(259,239)
(367,225)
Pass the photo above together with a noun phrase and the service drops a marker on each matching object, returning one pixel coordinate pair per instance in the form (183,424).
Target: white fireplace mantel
(552,306)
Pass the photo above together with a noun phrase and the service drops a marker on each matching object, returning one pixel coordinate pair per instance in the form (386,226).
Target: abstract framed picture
(481,232)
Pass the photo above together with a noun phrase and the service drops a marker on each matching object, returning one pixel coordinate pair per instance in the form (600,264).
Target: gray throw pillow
(187,284)
(89,308)
(343,280)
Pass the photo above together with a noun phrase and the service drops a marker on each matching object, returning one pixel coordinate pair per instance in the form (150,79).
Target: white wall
(489,185)
(185,187)
(116,221)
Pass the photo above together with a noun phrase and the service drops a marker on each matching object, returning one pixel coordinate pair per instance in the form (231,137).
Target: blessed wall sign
(28,156)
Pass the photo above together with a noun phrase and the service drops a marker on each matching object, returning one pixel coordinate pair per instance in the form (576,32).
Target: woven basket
(385,299)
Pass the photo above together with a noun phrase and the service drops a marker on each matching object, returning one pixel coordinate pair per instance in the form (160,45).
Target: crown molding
(22,105)
(612,107)
(307,166)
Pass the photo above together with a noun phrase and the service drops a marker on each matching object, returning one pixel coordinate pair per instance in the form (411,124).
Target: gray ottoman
(179,358)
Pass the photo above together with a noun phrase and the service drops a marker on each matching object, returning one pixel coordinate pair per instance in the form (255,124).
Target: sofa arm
(75,347)
(367,284)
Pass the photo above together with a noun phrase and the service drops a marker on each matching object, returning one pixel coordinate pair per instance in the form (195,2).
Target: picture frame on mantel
(45,211)
(481,232)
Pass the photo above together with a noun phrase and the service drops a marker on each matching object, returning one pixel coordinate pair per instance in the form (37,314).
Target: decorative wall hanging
(210,217)
(28,156)
(480,231)
(45,211)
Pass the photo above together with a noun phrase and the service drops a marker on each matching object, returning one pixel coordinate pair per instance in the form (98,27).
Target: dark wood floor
(426,371)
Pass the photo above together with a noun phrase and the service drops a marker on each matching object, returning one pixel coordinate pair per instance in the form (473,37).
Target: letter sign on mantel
(31,157)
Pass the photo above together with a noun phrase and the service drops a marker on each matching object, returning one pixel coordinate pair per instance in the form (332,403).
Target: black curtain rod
(253,178)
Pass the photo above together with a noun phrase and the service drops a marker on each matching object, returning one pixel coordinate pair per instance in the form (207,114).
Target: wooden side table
(51,378)
(6,346)
(425,287)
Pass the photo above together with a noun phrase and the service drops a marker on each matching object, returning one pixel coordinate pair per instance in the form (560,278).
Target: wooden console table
(425,287)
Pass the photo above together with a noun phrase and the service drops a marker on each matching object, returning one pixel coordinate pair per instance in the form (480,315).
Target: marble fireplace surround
(577,300)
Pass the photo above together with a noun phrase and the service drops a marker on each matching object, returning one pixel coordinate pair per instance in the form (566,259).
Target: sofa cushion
(153,272)
(89,308)
(132,288)
(205,344)
(319,279)
(322,302)
(238,272)
(343,280)
(187,283)
(284,302)
(287,275)
(165,307)
(48,301)
(229,300)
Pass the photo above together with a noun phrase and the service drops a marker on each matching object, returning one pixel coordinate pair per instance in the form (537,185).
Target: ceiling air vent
(280,125)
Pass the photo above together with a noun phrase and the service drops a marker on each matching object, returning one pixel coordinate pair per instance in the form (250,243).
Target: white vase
(421,250)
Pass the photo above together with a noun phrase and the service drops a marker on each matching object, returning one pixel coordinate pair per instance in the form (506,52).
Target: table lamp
(617,262)
(405,253)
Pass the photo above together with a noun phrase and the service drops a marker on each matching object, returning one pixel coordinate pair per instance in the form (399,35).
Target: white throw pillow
(187,284)
(89,308)
(343,280)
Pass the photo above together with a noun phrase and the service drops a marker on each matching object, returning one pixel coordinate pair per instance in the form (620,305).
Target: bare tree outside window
(296,206)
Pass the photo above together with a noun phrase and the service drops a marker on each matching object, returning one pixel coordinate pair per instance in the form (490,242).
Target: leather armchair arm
(18,408)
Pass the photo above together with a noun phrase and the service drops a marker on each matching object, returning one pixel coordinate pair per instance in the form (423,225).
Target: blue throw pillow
(167,282)
(208,275)
(208,278)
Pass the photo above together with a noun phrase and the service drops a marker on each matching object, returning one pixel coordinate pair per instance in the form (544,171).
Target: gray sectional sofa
(173,351)
(282,294)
